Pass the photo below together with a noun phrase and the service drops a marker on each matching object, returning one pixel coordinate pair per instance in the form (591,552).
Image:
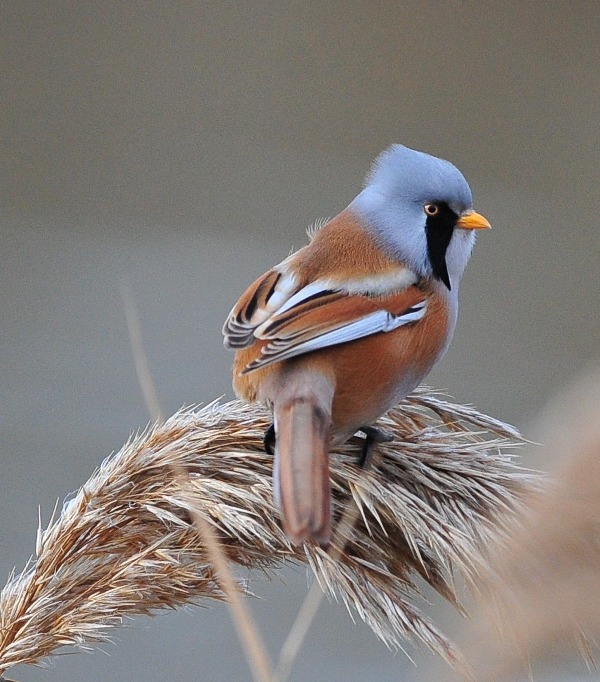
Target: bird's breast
(374,373)
(370,374)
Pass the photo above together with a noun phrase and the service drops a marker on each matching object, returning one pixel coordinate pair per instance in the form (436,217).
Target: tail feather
(302,469)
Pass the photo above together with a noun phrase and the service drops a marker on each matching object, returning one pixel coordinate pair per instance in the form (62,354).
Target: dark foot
(269,440)
(373,435)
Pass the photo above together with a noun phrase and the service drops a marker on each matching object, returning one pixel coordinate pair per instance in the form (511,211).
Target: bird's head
(420,210)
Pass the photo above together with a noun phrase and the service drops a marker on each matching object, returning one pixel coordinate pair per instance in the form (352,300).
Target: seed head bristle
(125,544)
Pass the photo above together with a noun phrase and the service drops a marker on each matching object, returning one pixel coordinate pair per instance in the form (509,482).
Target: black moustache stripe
(439,230)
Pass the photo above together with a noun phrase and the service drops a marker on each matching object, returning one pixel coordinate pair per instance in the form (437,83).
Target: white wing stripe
(375,285)
(304,293)
(411,315)
(284,288)
(379,321)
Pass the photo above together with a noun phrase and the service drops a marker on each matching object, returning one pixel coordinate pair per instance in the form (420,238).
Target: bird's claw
(269,440)
(373,435)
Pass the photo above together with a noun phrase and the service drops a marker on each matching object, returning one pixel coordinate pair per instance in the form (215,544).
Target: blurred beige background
(182,148)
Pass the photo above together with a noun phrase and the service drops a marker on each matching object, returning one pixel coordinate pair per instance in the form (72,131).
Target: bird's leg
(269,440)
(373,435)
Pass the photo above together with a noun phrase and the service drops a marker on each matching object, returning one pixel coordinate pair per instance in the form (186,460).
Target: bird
(348,325)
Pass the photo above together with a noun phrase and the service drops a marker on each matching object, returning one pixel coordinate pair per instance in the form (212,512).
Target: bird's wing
(293,319)
(270,295)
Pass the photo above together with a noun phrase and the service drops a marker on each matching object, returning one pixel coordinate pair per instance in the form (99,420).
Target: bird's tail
(302,487)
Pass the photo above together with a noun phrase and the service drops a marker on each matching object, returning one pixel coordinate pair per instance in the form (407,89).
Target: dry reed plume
(540,592)
(125,544)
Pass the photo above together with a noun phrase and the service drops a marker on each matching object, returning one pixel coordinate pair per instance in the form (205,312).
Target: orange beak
(472,221)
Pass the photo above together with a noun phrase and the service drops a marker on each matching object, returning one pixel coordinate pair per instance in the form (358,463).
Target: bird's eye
(431,209)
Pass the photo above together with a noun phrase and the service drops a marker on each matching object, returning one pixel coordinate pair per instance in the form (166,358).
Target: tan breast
(375,373)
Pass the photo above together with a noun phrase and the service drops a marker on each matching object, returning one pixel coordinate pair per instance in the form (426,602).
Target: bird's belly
(374,373)
(369,375)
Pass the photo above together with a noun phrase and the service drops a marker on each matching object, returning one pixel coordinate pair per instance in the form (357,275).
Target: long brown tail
(302,425)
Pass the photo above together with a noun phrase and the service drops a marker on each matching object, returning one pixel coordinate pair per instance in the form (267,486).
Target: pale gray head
(420,209)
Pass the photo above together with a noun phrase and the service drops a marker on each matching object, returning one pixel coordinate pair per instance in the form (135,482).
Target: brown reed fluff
(125,545)
(539,596)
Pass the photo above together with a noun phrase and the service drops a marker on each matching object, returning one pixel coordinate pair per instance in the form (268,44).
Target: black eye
(431,209)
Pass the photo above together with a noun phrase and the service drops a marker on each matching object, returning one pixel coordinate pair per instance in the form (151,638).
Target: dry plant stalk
(540,590)
(125,544)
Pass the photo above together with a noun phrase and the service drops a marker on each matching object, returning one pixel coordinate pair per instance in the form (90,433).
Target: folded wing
(295,319)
